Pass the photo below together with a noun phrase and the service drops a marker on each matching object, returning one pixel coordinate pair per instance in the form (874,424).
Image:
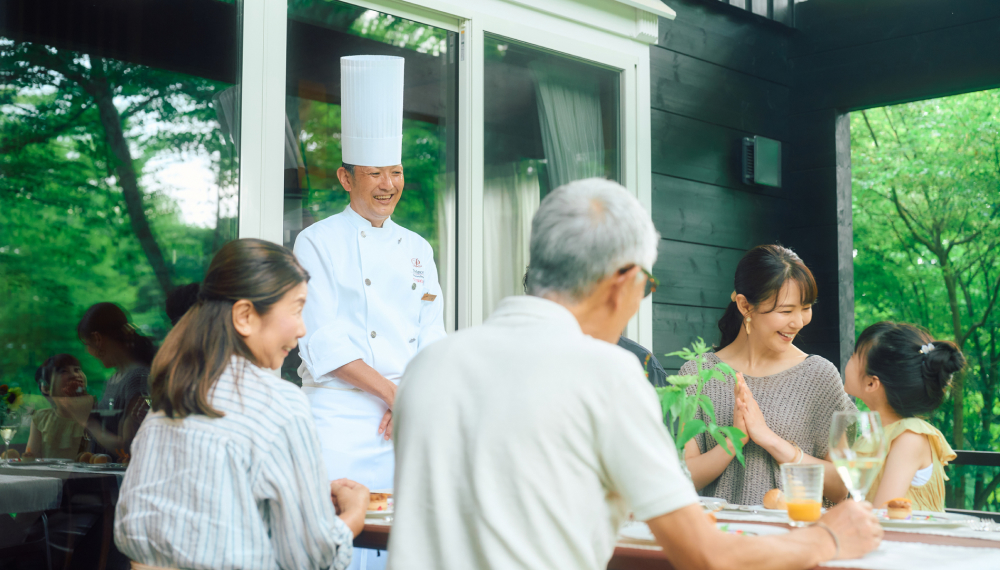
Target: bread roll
(11,454)
(100,459)
(775,499)
(84,457)
(379,501)
(899,509)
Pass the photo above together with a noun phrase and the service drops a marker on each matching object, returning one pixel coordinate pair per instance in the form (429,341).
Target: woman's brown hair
(760,275)
(202,344)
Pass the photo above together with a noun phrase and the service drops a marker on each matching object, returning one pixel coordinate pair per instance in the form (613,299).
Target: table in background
(80,489)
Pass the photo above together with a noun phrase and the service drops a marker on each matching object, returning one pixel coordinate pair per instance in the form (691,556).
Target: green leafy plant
(680,408)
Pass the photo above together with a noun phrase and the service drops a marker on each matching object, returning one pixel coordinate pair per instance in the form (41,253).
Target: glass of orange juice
(803,487)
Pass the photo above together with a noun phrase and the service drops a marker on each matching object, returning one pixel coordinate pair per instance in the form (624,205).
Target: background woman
(54,432)
(110,338)
(784,399)
(227,470)
(901,372)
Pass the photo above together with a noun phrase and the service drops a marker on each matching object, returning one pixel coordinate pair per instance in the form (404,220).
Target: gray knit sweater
(798,405)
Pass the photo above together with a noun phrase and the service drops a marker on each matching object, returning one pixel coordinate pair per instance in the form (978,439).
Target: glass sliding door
(550,119)
(119,176)
(319,34)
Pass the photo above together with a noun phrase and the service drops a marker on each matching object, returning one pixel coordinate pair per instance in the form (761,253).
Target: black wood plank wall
(855,54)
(718,74)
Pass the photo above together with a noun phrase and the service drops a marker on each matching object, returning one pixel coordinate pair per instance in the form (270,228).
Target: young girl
(227,470)
(900,372)
(54,432)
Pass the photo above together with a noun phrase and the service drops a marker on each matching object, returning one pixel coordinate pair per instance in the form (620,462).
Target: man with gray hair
(525,442)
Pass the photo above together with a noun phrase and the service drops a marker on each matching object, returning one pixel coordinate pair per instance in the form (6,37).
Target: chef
(374,299)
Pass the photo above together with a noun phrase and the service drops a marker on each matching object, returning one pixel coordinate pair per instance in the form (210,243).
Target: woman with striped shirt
(226,470)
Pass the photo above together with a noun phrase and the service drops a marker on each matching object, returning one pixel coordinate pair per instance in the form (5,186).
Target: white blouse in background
(248,490)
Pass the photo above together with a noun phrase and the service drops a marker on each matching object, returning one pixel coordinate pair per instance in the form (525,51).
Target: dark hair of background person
(199,349)
(760,275)
(180,300)
(914,382)
(43,376)
(111,321)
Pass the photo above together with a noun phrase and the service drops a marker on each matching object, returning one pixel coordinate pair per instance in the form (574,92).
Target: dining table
(902,548)
(45,487)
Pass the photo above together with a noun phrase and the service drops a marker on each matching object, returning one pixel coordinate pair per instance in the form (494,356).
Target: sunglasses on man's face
(651,282)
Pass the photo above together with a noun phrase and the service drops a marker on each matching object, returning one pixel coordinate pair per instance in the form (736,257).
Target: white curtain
(511,194)
(569,111)
(446,228)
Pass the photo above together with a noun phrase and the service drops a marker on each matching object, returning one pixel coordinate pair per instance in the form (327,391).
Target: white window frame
(606,32)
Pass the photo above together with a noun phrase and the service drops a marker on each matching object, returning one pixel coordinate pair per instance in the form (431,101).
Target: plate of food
(28,461)
(899,513)
(380,504)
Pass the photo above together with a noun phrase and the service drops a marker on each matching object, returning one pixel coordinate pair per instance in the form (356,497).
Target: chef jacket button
(368,281)
(362,234)
(414,286)
(373,334)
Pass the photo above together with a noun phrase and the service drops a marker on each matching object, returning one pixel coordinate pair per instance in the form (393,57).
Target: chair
(977,459)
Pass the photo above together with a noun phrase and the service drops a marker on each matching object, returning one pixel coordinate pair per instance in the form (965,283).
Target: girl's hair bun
(940,364)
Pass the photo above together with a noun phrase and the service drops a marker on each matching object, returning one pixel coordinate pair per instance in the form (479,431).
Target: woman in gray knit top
(784,399)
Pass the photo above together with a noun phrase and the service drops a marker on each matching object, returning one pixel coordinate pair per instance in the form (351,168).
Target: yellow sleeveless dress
(930,495)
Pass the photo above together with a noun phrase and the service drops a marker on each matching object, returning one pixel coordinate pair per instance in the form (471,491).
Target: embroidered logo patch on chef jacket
(418,272)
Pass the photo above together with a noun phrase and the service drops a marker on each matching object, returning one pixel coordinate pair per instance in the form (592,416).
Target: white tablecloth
(25,494)
(916,555)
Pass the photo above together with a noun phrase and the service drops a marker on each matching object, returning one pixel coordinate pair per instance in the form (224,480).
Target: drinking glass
(8,429)
(803,487)
(857,449)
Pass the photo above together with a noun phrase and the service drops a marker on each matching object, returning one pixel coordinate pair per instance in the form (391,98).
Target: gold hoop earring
(747,323)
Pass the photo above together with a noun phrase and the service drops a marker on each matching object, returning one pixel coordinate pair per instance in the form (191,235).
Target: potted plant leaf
(680,407)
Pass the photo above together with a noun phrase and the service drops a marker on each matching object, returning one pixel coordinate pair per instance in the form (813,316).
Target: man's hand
(856,527)
(351,499)
(386,425)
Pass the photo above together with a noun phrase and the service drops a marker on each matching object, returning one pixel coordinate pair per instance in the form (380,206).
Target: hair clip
(927,348)
(733,297)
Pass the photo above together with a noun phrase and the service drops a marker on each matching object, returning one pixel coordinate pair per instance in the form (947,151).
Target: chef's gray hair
(584,231)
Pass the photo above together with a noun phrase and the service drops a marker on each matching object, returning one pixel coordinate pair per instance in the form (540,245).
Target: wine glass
(8,429)
(857,448)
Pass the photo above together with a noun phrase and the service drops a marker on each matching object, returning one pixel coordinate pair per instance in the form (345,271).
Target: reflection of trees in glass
(926,184)
(77,132)
(317,123)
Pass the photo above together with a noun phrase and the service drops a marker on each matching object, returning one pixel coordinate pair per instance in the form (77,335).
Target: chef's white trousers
(347,423)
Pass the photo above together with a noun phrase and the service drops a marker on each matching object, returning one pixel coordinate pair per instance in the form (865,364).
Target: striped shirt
(247,490)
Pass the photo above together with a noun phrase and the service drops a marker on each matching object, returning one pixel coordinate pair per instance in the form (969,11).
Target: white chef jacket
(373,295)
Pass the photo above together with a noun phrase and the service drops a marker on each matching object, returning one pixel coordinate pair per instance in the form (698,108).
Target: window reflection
(119,178)
(550,119)
(319,34)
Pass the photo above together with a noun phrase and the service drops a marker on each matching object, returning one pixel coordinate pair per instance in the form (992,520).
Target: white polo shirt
(523,443)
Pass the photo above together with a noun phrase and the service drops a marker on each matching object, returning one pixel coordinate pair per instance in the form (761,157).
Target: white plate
(377,514)
(640,531)
(750,529)
(925,519)
(714,503)
(759,509)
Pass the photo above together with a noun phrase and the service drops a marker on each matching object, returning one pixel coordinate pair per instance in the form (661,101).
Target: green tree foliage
(76,134)
(926,194)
